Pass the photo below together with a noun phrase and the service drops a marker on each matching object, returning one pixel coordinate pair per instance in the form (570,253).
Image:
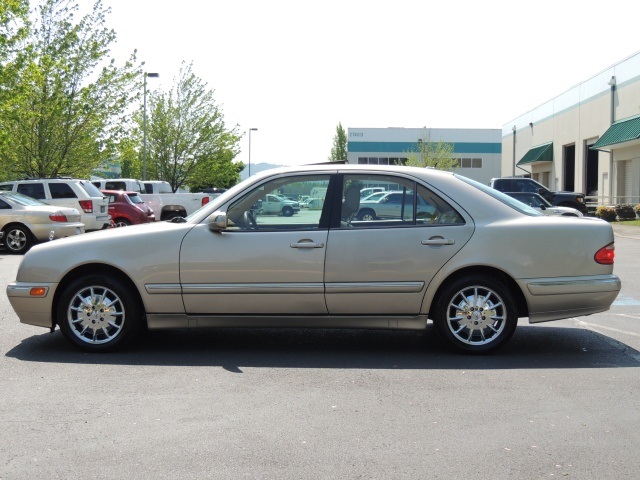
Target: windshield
(504,198)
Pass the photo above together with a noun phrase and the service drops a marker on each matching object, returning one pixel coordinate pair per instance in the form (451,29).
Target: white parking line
(600,327)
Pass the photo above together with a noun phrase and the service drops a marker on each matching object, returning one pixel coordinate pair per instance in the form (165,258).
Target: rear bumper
(565,297)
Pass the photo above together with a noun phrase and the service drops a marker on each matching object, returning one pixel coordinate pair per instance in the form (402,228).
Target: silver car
(473,266)
(541,204)
(25,221)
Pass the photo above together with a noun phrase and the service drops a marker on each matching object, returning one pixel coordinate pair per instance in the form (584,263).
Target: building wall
(394,144)
(580,116)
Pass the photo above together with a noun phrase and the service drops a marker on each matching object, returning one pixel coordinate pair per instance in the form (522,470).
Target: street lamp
(144,124)
(250,130)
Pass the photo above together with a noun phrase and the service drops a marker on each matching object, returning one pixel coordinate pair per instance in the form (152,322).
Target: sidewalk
(626,231)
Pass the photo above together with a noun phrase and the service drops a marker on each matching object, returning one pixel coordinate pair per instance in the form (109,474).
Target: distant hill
(256,168)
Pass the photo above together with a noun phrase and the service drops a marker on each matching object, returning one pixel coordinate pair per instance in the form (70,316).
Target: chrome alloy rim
(96,315)
(16,240)
(476,315)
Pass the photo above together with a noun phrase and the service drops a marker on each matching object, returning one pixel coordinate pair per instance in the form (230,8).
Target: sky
(296,69)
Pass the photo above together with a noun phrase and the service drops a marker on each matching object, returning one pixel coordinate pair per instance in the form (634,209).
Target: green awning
(619,132)
(541,153)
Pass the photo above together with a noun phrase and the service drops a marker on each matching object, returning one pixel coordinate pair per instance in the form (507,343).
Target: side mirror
(218,222)
(543,206)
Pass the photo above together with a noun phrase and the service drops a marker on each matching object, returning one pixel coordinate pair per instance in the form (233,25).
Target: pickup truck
(559,199)
(158,195)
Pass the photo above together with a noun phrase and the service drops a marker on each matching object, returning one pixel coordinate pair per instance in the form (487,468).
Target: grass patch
(631,223)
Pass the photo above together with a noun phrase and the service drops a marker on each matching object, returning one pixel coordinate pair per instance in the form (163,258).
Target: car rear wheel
(287,211)
(99,314)
(475,314)
(17,239)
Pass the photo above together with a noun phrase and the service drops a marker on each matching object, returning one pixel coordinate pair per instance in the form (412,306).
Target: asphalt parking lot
(559,401)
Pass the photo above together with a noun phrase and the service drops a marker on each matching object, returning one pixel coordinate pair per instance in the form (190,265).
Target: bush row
(620,212)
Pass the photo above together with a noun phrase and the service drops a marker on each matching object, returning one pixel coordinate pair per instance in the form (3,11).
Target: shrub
(606,213)
(625,212)
(637,209)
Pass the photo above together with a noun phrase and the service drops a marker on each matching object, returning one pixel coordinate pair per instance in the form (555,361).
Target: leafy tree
(339,149)
(188,142)
(67,109)
(13,30)
(439,155)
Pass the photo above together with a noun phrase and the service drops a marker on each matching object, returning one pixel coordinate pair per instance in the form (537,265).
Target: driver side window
(287,203)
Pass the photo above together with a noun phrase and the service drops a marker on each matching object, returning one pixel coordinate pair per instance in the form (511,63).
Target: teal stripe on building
(396,147)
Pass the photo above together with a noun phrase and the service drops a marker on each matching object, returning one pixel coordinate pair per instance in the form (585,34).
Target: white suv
(67,192)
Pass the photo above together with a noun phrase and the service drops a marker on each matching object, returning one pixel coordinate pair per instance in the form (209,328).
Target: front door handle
(438,241)
(307,244)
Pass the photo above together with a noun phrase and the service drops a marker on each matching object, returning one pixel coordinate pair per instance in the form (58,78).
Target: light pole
(144,124)
(250,130)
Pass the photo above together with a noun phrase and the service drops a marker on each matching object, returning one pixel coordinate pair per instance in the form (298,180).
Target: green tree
(439,155)
(67,109)
(188,143)
(13,30)
(339,148)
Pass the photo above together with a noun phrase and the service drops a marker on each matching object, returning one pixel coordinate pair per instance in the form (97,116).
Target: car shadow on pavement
(232,349)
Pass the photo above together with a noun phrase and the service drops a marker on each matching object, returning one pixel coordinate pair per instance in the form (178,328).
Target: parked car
(392,205)
(127,208)
(275,204)
(25,221)
(559,199)
(374,197)
(67,192)
(479,262)
(539,203)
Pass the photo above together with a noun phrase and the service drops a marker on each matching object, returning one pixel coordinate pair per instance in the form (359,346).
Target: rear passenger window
(61,190)
(33,190)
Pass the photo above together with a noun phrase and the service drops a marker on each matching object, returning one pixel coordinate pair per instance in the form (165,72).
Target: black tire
(287,211)
(122,222)
(475,314)
(99,313)
(17,239)
(366,215)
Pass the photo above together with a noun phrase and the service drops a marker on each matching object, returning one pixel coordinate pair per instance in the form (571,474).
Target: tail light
(605,255)
(58,217)
(87,206)
(205,200)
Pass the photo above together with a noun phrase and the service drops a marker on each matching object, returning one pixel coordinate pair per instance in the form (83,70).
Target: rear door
(383,266)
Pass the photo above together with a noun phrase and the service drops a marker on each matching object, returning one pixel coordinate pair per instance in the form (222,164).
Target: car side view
(475,264)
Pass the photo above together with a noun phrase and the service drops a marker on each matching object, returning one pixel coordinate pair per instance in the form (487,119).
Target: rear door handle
(438,241)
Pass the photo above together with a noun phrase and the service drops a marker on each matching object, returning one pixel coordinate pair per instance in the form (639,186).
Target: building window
(362,160)
(470,162)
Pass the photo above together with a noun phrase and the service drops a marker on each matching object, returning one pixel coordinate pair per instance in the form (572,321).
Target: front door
(261,264)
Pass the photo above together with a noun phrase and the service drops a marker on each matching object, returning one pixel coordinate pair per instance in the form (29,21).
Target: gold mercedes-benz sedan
(451,250)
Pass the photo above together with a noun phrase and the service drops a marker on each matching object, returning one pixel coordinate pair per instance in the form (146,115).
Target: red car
(127,208)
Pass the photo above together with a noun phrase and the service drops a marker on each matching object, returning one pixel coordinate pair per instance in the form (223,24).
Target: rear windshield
(512,202)
(135,198)
(91,189)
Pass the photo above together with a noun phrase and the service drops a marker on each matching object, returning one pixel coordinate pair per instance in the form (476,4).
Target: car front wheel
(99,314)
(475,314)
(17,239)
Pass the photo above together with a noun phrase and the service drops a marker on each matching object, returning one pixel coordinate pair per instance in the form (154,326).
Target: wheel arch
(491,272)
(91,269)
(12,224)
